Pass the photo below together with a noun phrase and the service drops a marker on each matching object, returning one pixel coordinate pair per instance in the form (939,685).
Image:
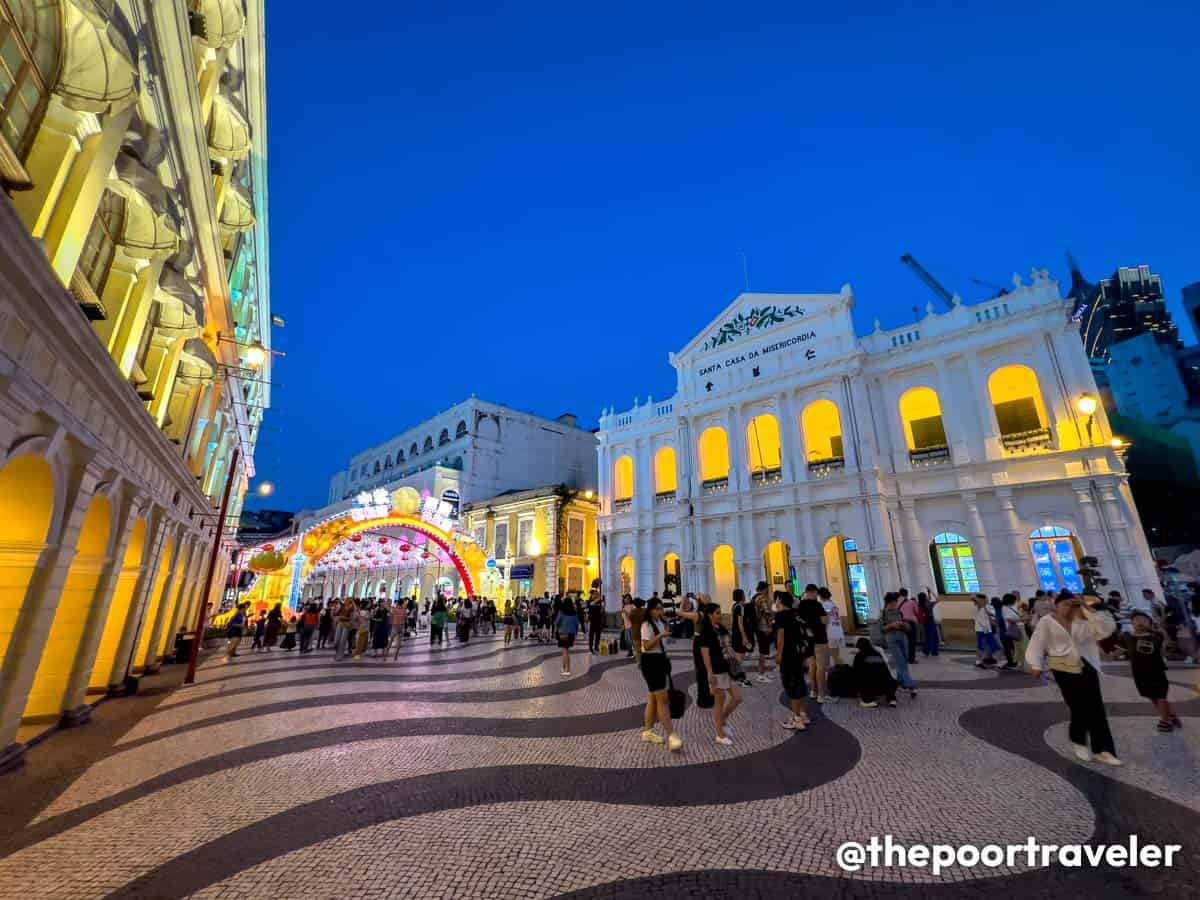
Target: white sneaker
(1108,759)
(1081,752)
(795,724)
(650,737)
(674,742)
(865,705)
(565,674)
(820,700)
(762,679)
(724,741)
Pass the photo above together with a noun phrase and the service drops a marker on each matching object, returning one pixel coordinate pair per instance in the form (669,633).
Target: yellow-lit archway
(623,478)
(822,427)
(671,573)
(762,442)
(1017,400)
(157,607)
(627,576)
(118,609)
(714,455)
(26,509)
(724,576)
(665,478)
(921,413)
(74,609)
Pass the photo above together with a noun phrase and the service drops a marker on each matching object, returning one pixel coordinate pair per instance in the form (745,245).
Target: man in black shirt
(792,647)
(812,614)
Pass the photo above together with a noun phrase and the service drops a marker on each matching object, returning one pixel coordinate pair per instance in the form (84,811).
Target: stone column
(897,520)
(164,622)
(123,657)
(793,463)
(738,478)
(36,615)
(1023,563)
(551,551)
(981,547)
(49,163)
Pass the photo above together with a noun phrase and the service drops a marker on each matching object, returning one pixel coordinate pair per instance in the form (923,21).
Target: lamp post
(1086,404)
(201,613)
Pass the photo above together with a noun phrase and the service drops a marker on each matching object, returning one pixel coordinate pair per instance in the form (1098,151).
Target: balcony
(664,498)
(1027,441)
(622,505)
(760,477)
(823,468)
(714,486)
(923,457)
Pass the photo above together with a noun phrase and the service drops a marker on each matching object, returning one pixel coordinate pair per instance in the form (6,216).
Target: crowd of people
(802,638)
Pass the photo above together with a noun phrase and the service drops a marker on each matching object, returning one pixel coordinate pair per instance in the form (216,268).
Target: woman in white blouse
(1068,640)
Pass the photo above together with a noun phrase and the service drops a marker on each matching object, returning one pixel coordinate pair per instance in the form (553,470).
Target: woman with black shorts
(656,669)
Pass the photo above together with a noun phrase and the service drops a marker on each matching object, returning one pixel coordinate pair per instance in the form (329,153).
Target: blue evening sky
(536,202)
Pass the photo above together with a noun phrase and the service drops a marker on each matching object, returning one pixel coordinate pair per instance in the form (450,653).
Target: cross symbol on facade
(709,386)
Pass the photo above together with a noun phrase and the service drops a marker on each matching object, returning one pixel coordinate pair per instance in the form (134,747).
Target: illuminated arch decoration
(305,554)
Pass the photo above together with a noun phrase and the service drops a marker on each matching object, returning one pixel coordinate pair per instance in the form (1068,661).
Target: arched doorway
(627,575)
(671,573)
(724,576)
(1056,554)
(846,578)
(118,608)
(27,510)
(777,565)
(74,609)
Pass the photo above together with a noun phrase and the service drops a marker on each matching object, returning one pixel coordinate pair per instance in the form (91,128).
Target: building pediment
(755,315)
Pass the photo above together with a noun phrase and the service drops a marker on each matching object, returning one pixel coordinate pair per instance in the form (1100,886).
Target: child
(1145,646)
(985,639)
(872,676)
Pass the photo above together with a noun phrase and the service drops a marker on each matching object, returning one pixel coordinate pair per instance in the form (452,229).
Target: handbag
(676,699)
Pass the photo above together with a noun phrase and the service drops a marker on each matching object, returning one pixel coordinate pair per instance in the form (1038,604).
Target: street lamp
(1086,404)
(256,355)
(266,489)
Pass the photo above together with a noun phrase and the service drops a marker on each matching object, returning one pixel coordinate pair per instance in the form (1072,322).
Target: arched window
(763,445)
(444,437)
(714,460)
(387,462)
(1056,555)
(30,51)
(623,482)
(399,457)
(1020,411)
(665,478)
(822,426)
(414,450)
(921,412)
(99,250)
(428,445)
(671,571)
(953,564)
(461,430)
(377,469)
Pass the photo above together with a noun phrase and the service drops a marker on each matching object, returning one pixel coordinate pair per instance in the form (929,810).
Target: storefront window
(954,564)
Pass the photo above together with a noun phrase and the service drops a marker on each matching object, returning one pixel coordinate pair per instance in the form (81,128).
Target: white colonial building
(965,452)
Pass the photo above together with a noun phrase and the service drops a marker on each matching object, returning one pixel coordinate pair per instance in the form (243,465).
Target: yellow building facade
(541,540)
(135,345)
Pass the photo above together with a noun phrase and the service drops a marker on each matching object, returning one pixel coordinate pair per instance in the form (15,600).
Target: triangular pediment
(755,314)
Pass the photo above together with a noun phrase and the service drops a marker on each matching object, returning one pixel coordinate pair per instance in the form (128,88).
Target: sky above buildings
(536,202)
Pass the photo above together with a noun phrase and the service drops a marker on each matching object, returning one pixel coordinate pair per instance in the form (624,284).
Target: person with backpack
(656,670)
(925,606)
(566,628)
(872,676)
(793,647)
(812,612)
(907,608)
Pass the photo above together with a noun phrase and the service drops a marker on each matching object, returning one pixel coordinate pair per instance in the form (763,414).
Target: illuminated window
(922,416)
(671,568)
(574,536)
(953,564)
(623,478)
(1020,412)
(665,483)
(724,576)
(30,46)
(714,458)
(627,575)
(1056,558)
(822,427)
(764,449)
(524,537)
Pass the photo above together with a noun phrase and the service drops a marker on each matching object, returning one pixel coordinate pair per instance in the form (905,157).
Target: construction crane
(1000,291)
(930,282)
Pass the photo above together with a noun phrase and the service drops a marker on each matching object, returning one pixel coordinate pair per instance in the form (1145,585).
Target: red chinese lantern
(268,548)
(383,540)
(404,548)
(424,554)
(356,538)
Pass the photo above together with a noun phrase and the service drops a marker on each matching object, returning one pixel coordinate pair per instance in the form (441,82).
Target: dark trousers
(1009,645)
(305,638)
(912,641)
(435,634)
(932,642)
(1082,693)
(595,633)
